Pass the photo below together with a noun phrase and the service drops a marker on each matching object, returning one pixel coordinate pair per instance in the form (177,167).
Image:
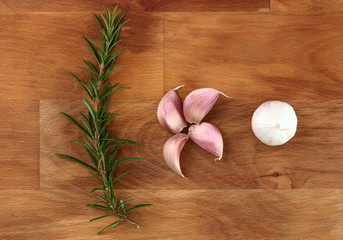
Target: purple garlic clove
(208,137)
(198,103)
(172,150)
(169,112)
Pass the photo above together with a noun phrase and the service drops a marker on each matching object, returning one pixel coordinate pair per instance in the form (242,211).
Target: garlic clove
(208,137)
(172,150)
(169,112)
(199,102)
(274,123)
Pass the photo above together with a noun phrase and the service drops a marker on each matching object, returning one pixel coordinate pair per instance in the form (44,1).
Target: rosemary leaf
(123,174)
(122,140)
(98,21)
(94,190)
(92,67)
(91,156)
(88,91)
(78,161)
(76,123)
(97,205)
(94,219)
(111,225)
(138,206)
(121,160)
(103,185)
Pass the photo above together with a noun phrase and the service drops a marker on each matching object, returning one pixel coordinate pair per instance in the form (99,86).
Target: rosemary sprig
(99,145)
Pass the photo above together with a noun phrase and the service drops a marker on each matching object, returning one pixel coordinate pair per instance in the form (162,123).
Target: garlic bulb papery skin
(172,150)
(274,123)
(199,102)
(169,112)
(208,137)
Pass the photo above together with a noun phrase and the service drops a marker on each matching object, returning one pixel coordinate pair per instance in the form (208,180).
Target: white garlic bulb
(274,123)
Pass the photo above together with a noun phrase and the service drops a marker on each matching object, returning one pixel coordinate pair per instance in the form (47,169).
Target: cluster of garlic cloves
(173,117)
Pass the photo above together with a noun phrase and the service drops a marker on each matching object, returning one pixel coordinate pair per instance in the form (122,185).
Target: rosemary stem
(100,146)
(102,170)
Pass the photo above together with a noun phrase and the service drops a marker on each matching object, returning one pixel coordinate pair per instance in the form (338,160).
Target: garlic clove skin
(208,137)
(169,112)
(199,102)
(172,150)
(274,123)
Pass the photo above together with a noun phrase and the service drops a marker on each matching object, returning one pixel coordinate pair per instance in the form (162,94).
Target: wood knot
(276,174)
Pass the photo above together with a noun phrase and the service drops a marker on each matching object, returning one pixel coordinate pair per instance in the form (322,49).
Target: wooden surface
(269,55)
(252,50)
(19,144)
(205,5)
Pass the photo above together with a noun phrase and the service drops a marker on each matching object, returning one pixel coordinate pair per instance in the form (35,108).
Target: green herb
(99,145)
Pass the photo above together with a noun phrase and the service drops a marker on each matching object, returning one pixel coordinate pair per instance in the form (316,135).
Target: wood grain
(68,5)
(207,6)
(19,138)
(39,49)
(306,6)
(256,56)
(177,214)
(310,160)
(293,53)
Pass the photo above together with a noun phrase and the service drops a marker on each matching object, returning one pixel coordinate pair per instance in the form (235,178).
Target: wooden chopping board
(254,51)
